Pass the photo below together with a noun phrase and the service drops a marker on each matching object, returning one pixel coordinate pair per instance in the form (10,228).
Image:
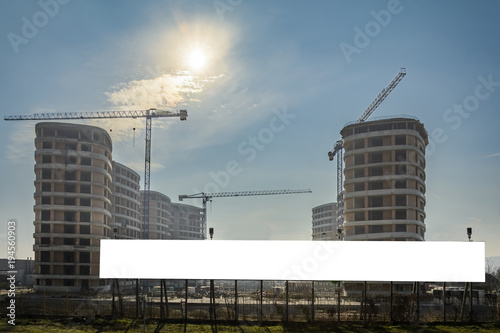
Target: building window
(84,270)
(377,201)
(375,229)
(400,214)
(85,147)
(400,155)
(69,188)
(46,174)
(69,216)
(84,216)
(44,269)
(376,142)
(400,169)
(46,187)
(85,257)
(71,160)
(85,161)
(69,282)
(85,188)
(45,240)
(45,228)
(45,200)
(85,176)
(46,159)
(47,145)
(45,256)
(69,257)
(69,241)
(376,171)
(400,227)
(69,229)
(376,157)
(400,139)
(70,175)
(400,184)
(84,241)
(85,229)
(375,215)
(45,215)
(400,200)
(359,230)
(69,201)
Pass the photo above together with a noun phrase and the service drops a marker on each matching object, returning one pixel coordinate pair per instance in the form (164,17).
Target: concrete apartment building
(72,205)
(384,180)
(187,222)
(324,225)
(160,216)
(126,221)
(384,189)
(384,196)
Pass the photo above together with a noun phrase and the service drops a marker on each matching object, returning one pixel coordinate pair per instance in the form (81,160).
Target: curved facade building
(187,222)
(160,216)
(324,225)
(384,180)
(126,221)
(72,205)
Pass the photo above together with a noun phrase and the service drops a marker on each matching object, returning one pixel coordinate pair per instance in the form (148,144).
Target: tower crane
(148,114)
(208,197)
(339,147)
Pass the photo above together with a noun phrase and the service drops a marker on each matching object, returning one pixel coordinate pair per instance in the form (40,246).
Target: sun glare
(197,59)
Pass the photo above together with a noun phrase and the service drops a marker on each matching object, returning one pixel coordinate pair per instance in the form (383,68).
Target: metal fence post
(312,300)
(235,299)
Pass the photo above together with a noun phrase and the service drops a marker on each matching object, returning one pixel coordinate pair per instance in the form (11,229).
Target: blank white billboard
(293,260)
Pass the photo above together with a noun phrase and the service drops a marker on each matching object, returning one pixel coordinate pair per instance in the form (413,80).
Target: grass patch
(104,325)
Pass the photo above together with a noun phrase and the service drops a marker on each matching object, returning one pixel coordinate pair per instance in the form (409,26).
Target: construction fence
(267,301)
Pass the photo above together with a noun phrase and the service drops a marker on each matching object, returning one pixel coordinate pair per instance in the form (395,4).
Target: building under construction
(384,187)
(83,196)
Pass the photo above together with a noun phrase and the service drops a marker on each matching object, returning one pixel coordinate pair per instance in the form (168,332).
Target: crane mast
(208,197)
(148,114)
(339,146)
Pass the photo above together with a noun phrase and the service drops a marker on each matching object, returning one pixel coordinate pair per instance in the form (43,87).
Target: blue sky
(279,82)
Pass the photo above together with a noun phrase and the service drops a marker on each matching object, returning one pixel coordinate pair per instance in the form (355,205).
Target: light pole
(469,235)
(212,286)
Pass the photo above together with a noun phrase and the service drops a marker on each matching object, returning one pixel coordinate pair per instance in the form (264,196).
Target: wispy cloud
(163,91)
(474,219)
(493,155)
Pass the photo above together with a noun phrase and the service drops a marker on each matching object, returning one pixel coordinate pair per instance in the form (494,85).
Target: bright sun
(197,59)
